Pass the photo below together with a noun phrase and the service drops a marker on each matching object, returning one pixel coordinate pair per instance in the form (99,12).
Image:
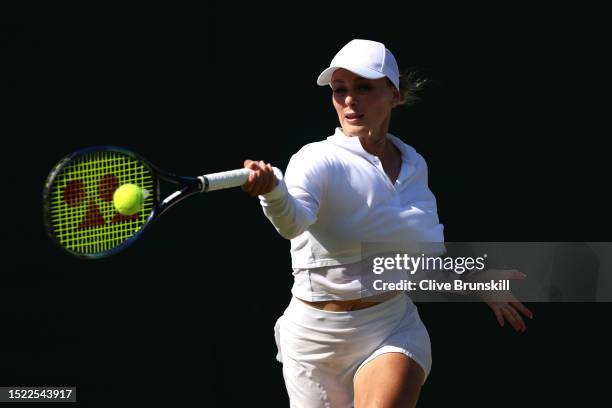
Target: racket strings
(83,217)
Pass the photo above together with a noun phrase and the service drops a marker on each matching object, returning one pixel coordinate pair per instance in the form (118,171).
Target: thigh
(309,386)
(389,380)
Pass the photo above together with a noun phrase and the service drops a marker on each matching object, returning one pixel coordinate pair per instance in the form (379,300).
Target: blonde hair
(412,84)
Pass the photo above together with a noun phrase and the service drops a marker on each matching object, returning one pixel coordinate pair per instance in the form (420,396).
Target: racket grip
(229,179)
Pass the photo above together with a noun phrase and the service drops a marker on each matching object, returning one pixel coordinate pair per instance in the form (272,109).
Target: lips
(353,116)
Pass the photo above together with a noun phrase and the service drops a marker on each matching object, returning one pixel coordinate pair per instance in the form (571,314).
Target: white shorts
(322,351)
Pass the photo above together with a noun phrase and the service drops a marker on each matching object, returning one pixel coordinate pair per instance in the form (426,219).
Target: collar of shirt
(353,144)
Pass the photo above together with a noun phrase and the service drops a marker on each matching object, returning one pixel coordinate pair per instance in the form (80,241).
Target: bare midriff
(353,304)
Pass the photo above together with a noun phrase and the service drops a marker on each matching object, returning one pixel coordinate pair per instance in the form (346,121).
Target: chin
(357,130)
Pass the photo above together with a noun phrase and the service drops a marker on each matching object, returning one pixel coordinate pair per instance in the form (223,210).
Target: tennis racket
(78,208)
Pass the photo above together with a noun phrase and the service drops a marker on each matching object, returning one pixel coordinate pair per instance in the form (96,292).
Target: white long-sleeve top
(334,198)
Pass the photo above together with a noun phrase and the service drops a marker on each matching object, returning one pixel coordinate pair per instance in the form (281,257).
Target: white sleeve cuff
(280,191)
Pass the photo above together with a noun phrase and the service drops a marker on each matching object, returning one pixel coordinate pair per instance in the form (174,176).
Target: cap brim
(326,76)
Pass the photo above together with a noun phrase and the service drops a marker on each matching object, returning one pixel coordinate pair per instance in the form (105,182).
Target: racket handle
(229,179)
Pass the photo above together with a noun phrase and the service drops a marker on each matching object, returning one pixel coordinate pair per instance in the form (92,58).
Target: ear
(397,97)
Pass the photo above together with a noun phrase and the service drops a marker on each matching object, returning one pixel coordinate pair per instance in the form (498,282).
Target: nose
(350,99)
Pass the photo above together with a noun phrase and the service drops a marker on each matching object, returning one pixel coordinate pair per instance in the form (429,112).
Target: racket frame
(190,186)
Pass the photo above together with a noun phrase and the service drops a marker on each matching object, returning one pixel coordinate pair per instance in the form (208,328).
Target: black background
(511,132)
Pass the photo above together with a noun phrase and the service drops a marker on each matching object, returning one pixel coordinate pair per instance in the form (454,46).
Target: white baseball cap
(368,59)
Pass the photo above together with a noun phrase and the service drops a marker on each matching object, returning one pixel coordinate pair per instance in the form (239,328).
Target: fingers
(261,180)
(498,314)
(248,186)
(515,274)
(258,179)
(514,318)
(521,308)
(272,179)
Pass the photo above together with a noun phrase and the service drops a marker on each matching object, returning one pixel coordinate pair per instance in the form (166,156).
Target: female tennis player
(341,343)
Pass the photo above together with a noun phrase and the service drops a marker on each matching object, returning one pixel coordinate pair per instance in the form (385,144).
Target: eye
(339,91)
(364,88)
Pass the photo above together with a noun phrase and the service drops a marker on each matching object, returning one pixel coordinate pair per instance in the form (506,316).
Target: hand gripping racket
(79,213)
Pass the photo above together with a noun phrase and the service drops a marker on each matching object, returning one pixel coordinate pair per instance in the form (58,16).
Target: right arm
(292,203)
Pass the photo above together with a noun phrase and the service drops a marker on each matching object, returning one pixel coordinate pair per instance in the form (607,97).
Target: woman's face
(363,105)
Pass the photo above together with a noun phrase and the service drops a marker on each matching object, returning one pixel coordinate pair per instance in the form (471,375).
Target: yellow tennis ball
(128,199)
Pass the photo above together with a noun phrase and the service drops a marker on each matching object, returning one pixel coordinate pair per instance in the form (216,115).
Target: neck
(378,145)
(374,142)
